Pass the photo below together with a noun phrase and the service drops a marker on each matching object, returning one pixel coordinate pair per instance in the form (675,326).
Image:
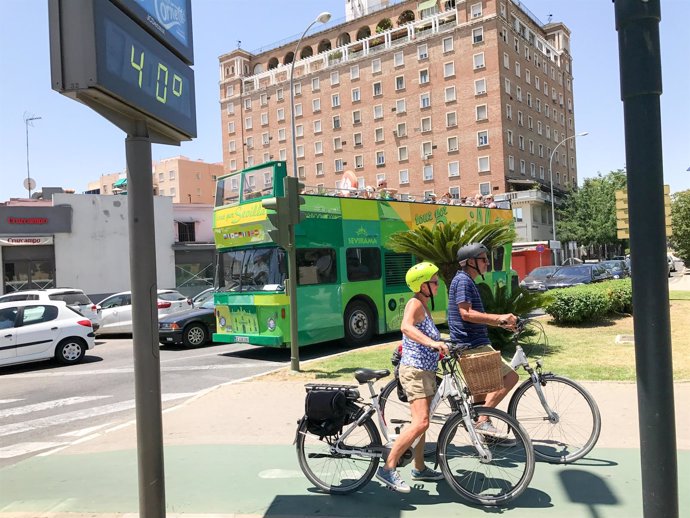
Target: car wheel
(194,335)
(70,351)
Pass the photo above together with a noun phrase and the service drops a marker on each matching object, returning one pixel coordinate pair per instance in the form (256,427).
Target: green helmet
(419,274)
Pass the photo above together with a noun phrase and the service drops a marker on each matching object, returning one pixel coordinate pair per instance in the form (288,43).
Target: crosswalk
(60,422)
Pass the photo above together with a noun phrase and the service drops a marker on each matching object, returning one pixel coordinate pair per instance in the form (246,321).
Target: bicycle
(560,416)
(482,469)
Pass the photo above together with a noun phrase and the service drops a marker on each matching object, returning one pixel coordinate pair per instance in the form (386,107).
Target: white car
(41,330)
(116,310)
(76,299)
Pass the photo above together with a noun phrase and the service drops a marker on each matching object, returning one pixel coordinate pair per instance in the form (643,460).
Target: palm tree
(440,244)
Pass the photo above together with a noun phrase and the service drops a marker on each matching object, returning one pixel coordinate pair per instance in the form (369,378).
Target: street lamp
(553,206)
(322,18)
(27,123)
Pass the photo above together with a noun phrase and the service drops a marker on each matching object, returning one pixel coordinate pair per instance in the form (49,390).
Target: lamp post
(553,205)
(27,123)
(322,18)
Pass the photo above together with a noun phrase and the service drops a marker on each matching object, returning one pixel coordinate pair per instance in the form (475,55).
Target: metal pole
(292,293)
(147,376)
(28,174)
(637,23)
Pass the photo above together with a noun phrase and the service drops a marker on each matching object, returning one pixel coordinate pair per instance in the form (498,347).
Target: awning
(121,183)
(426,4)
(519,181)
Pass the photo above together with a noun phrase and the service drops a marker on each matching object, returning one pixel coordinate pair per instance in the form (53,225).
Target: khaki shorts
(505,366)
(417,383)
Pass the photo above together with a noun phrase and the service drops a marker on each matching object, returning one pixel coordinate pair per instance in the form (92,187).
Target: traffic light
(279,218)
(292,188)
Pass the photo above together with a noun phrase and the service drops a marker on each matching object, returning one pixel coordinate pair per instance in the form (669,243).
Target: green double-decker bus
(349,285)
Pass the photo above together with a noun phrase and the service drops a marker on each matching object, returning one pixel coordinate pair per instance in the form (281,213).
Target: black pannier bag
(325,411)
(395,360)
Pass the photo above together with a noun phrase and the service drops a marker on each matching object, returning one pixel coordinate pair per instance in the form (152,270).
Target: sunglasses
(432,282)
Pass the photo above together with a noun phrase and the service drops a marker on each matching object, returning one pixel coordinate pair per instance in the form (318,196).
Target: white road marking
(78,415)
(6,401)
(280,473)
(23,448)
(47,405)
(83,431)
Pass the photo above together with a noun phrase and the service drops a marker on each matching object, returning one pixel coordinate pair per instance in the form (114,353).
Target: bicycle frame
(520,360)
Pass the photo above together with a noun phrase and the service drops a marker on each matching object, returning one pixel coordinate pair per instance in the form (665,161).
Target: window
(298,110)
(359,161)
(451,119)
(171,175)
(523,170)
(400,82)
(528,76)
(481,112)
(378,135)
(356,95)
(354,72)
(511,163)
(482,138)
(247,104)
(300,151)
(425,100)
(425,124)
(517,68)
(484,188)
(453,168)
(539,127)
(299,130)
(315,84)
(231,149)
(265,139)
(518,93)
(264,118)
(426,150)
(450,94)
(335,100)
(449,69)
(530,123)
(403,177)
(533,170)
(398,59)
(336,122)
(316,266)
(316,105)
(380,158)
(509,112)
(301,172)
(377,89)
(263,99)
(428,172)
(248,123)
(318,147)
(357,139)
(37,314)
(452,144)
(483,165)
(281,135)
(401,130)
(298,88)
(173,192)
(376,66)
(424,76)
(229,91)
(521,121)
(422,51)
(279,94)
(480,87)
(363,264)
(335,78)
(400,106)
(541,172)
(317,126)
(506,60)
(378,111)
(521,142)
(509,137)
(280,114)
(478,60)
(478,35)
(319,168)
(447,44)
(541,150)
(356,117)
(230,108)
(476,10)
(517,214)
(338,164)
(402,153)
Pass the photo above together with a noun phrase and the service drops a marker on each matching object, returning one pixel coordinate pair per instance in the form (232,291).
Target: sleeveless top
(420,356)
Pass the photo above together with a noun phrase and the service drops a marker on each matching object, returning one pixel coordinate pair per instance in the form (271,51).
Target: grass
(679,295)
(585,352)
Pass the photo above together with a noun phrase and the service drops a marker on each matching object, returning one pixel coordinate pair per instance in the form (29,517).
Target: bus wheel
(359,323)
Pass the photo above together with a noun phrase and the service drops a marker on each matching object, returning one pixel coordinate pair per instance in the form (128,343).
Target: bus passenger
(468,323)
(418,366)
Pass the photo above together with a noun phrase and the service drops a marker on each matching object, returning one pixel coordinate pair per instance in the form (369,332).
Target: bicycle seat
(364,375)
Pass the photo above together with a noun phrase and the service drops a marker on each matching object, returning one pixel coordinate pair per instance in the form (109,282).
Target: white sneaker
(391,478)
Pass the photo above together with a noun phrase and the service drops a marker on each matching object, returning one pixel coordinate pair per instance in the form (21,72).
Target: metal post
(637,23)
(27,120)
(147,376)
(292,293)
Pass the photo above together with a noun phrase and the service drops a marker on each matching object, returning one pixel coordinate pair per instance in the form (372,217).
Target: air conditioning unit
(428,156)
(395,133)
(393,109)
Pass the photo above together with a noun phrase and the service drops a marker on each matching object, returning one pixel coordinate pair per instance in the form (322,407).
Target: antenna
(549,18)
(239,43)
(29,183)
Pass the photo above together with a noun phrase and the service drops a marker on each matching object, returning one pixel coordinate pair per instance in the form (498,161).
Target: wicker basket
(482,372)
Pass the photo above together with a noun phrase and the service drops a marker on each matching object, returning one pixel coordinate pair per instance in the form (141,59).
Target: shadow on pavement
(586,488)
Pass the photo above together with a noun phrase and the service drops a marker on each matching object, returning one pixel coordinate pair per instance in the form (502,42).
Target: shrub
(590,302)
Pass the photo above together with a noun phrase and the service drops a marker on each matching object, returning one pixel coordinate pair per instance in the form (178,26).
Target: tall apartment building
(431,95)
(182,179)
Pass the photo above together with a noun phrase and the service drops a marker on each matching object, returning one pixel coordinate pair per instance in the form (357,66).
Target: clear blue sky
(72,145)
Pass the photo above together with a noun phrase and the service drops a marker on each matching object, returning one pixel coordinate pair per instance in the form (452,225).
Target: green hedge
(590,302)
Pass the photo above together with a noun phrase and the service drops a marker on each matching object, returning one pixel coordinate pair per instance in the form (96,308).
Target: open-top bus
(349,286)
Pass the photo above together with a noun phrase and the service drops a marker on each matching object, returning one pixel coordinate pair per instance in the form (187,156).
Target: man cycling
(468,322)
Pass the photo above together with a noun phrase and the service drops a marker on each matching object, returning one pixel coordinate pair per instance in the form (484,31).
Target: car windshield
(208,304)
(542,272)
(611,264)
(262,269)
(572,271)
(71,298)
(171,296)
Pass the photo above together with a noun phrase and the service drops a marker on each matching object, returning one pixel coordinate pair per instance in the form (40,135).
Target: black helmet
(471,251)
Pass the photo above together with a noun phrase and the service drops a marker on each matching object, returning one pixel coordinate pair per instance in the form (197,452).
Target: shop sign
(26,241)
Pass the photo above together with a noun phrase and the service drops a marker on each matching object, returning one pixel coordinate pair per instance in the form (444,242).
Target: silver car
(116,310)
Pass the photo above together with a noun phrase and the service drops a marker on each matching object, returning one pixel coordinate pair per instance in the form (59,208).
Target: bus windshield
(259,269)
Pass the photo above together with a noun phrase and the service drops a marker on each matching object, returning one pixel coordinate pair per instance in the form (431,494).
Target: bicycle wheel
(577,430)
(338,473)
(397,415)
(499,479)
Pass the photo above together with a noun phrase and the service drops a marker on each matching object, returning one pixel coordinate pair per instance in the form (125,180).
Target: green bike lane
(265,480)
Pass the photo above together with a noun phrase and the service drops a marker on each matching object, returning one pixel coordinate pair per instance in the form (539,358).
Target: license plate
(242,339)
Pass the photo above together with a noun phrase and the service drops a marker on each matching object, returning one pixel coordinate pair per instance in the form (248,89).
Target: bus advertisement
(349,286)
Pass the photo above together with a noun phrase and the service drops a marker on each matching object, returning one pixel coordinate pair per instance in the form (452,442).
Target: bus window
(228,191)
(316,266)
(497,258)
(260,269)
(363,264)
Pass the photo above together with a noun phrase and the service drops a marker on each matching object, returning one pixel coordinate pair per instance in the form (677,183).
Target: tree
(440,244)
(588,214)
(680,222)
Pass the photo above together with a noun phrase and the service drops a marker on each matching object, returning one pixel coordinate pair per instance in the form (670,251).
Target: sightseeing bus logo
(434,217)
(362,238)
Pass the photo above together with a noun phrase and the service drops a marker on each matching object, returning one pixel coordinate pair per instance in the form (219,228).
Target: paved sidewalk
(228,453)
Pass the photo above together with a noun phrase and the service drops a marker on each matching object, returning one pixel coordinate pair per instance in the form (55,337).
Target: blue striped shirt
(463,289)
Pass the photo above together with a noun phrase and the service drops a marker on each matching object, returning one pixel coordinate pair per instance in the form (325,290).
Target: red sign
(27,221)
(540,249)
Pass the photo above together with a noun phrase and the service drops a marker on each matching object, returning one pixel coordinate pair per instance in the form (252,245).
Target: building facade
(462,97)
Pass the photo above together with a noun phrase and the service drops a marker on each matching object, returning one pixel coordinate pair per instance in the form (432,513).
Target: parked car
(200,298)
(191,328)
(74,298)
(40,330)
(116,310)
(670,266)
(617,268)
(536,279)
(580,274)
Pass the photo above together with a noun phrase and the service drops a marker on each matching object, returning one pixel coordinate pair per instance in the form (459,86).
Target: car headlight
(222,321)
(172,326)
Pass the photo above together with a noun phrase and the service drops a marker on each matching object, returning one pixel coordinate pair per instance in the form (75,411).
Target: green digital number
(138,66)
(177,85)
(164,98)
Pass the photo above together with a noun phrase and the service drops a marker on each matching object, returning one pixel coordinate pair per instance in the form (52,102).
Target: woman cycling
(418,366)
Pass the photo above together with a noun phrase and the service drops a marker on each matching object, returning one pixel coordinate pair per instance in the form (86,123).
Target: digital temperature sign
(115,66)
